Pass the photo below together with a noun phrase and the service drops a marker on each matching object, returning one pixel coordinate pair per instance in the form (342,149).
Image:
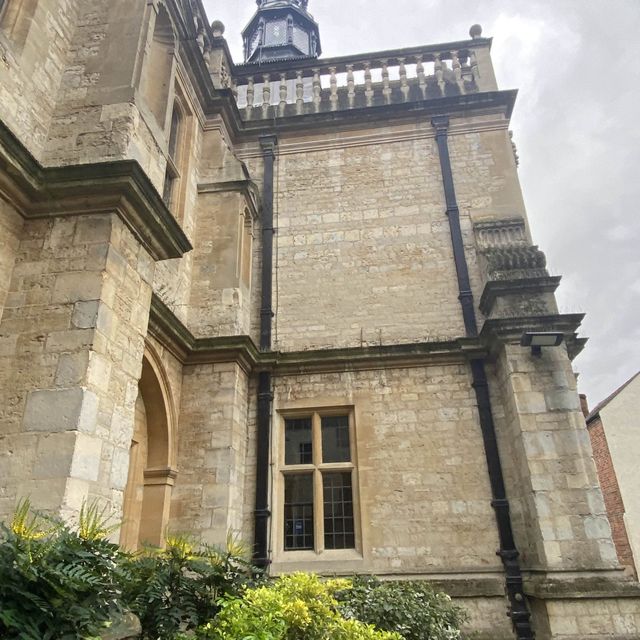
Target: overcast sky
(576,125)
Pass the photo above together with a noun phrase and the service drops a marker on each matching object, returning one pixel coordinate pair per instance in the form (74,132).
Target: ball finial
(218,29)
(475,31)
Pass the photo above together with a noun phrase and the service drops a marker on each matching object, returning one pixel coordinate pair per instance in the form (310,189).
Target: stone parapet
(299,87)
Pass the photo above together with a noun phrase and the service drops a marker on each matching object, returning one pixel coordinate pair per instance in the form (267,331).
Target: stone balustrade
(499,234)
(298,87)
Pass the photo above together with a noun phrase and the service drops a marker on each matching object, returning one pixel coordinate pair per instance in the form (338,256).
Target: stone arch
(158,70)
(152,471)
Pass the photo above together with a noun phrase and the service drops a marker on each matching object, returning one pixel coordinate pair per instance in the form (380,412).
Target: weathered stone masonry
(135,291)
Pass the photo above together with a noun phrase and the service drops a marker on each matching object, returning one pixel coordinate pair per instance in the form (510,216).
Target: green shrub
(68,584)
(55,582)
(295,607)
(177,588)
(412,609)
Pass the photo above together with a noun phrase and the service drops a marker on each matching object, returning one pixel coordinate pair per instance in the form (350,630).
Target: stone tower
(291,298)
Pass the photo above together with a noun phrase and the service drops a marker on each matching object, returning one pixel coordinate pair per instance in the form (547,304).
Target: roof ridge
(596,410)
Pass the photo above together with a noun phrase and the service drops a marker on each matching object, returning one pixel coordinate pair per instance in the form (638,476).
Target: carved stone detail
(509,263)
(517,281)
(500,233)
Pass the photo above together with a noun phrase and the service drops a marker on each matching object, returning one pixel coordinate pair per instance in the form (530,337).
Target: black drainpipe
(268,145)
(518,612)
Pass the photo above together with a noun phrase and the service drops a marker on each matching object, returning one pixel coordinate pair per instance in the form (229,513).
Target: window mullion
(318,506)
(318,511)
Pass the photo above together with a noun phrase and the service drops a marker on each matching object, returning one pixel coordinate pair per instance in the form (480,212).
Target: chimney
(584,405)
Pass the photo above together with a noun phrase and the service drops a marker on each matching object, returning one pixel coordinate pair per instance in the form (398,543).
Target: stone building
(286,298)
(614,429)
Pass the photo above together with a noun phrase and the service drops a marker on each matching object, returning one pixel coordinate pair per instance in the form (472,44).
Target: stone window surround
(301,560)
(178,164)
(15,23)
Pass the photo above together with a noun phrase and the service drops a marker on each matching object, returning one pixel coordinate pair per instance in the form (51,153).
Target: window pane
(173,134)
(298,512)
(298,447)
(335,439)
(339,530)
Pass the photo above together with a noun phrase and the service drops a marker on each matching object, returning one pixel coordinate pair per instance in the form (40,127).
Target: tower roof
(281,30)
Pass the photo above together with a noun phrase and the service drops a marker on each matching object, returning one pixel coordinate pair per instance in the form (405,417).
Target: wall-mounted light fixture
(538,339)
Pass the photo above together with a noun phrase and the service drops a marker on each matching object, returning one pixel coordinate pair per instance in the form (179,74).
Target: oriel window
(317,472)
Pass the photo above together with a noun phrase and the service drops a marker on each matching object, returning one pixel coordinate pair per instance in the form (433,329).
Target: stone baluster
(200,40)
(250,95)
(422,80)
(404,84)
(368,85)
(283,93)
(334,88)
(351,86)
(299,93)
(266,91)
(475,69)
(457,70)
(439,71)
(317,89)
(386,87)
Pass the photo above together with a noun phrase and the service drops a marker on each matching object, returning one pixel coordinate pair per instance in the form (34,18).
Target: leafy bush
(412,609)
(68,584)
(55,582)
(59,583)
(295,607)
(177,589)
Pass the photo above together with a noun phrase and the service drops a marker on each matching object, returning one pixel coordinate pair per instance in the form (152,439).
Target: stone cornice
(510,330)
(363,117)
(522,286)
(373,358)
(579,584)
(120,187)
(165,327)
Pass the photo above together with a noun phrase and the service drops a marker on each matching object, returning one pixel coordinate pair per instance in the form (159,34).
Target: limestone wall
(359,242)
(558,511)
(10,231)
(363,250)
(207,500)
(220,301)
(34,42)
(98,112)
(425,500)
(72,336)
(484,169)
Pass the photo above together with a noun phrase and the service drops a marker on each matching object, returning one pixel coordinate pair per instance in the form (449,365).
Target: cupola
(281,30)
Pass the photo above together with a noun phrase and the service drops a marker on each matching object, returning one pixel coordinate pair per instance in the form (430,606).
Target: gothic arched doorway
(151,476)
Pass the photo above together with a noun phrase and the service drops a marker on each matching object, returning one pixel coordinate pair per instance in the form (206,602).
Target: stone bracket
(495,289)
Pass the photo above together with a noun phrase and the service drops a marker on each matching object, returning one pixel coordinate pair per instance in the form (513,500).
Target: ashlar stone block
(57,410)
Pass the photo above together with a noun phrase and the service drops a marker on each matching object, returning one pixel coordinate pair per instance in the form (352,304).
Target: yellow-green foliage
(295,607)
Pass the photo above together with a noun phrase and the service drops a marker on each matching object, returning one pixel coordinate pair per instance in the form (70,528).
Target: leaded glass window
(318,475)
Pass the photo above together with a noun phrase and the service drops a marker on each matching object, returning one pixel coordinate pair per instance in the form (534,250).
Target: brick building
(614,429)
(287,298)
